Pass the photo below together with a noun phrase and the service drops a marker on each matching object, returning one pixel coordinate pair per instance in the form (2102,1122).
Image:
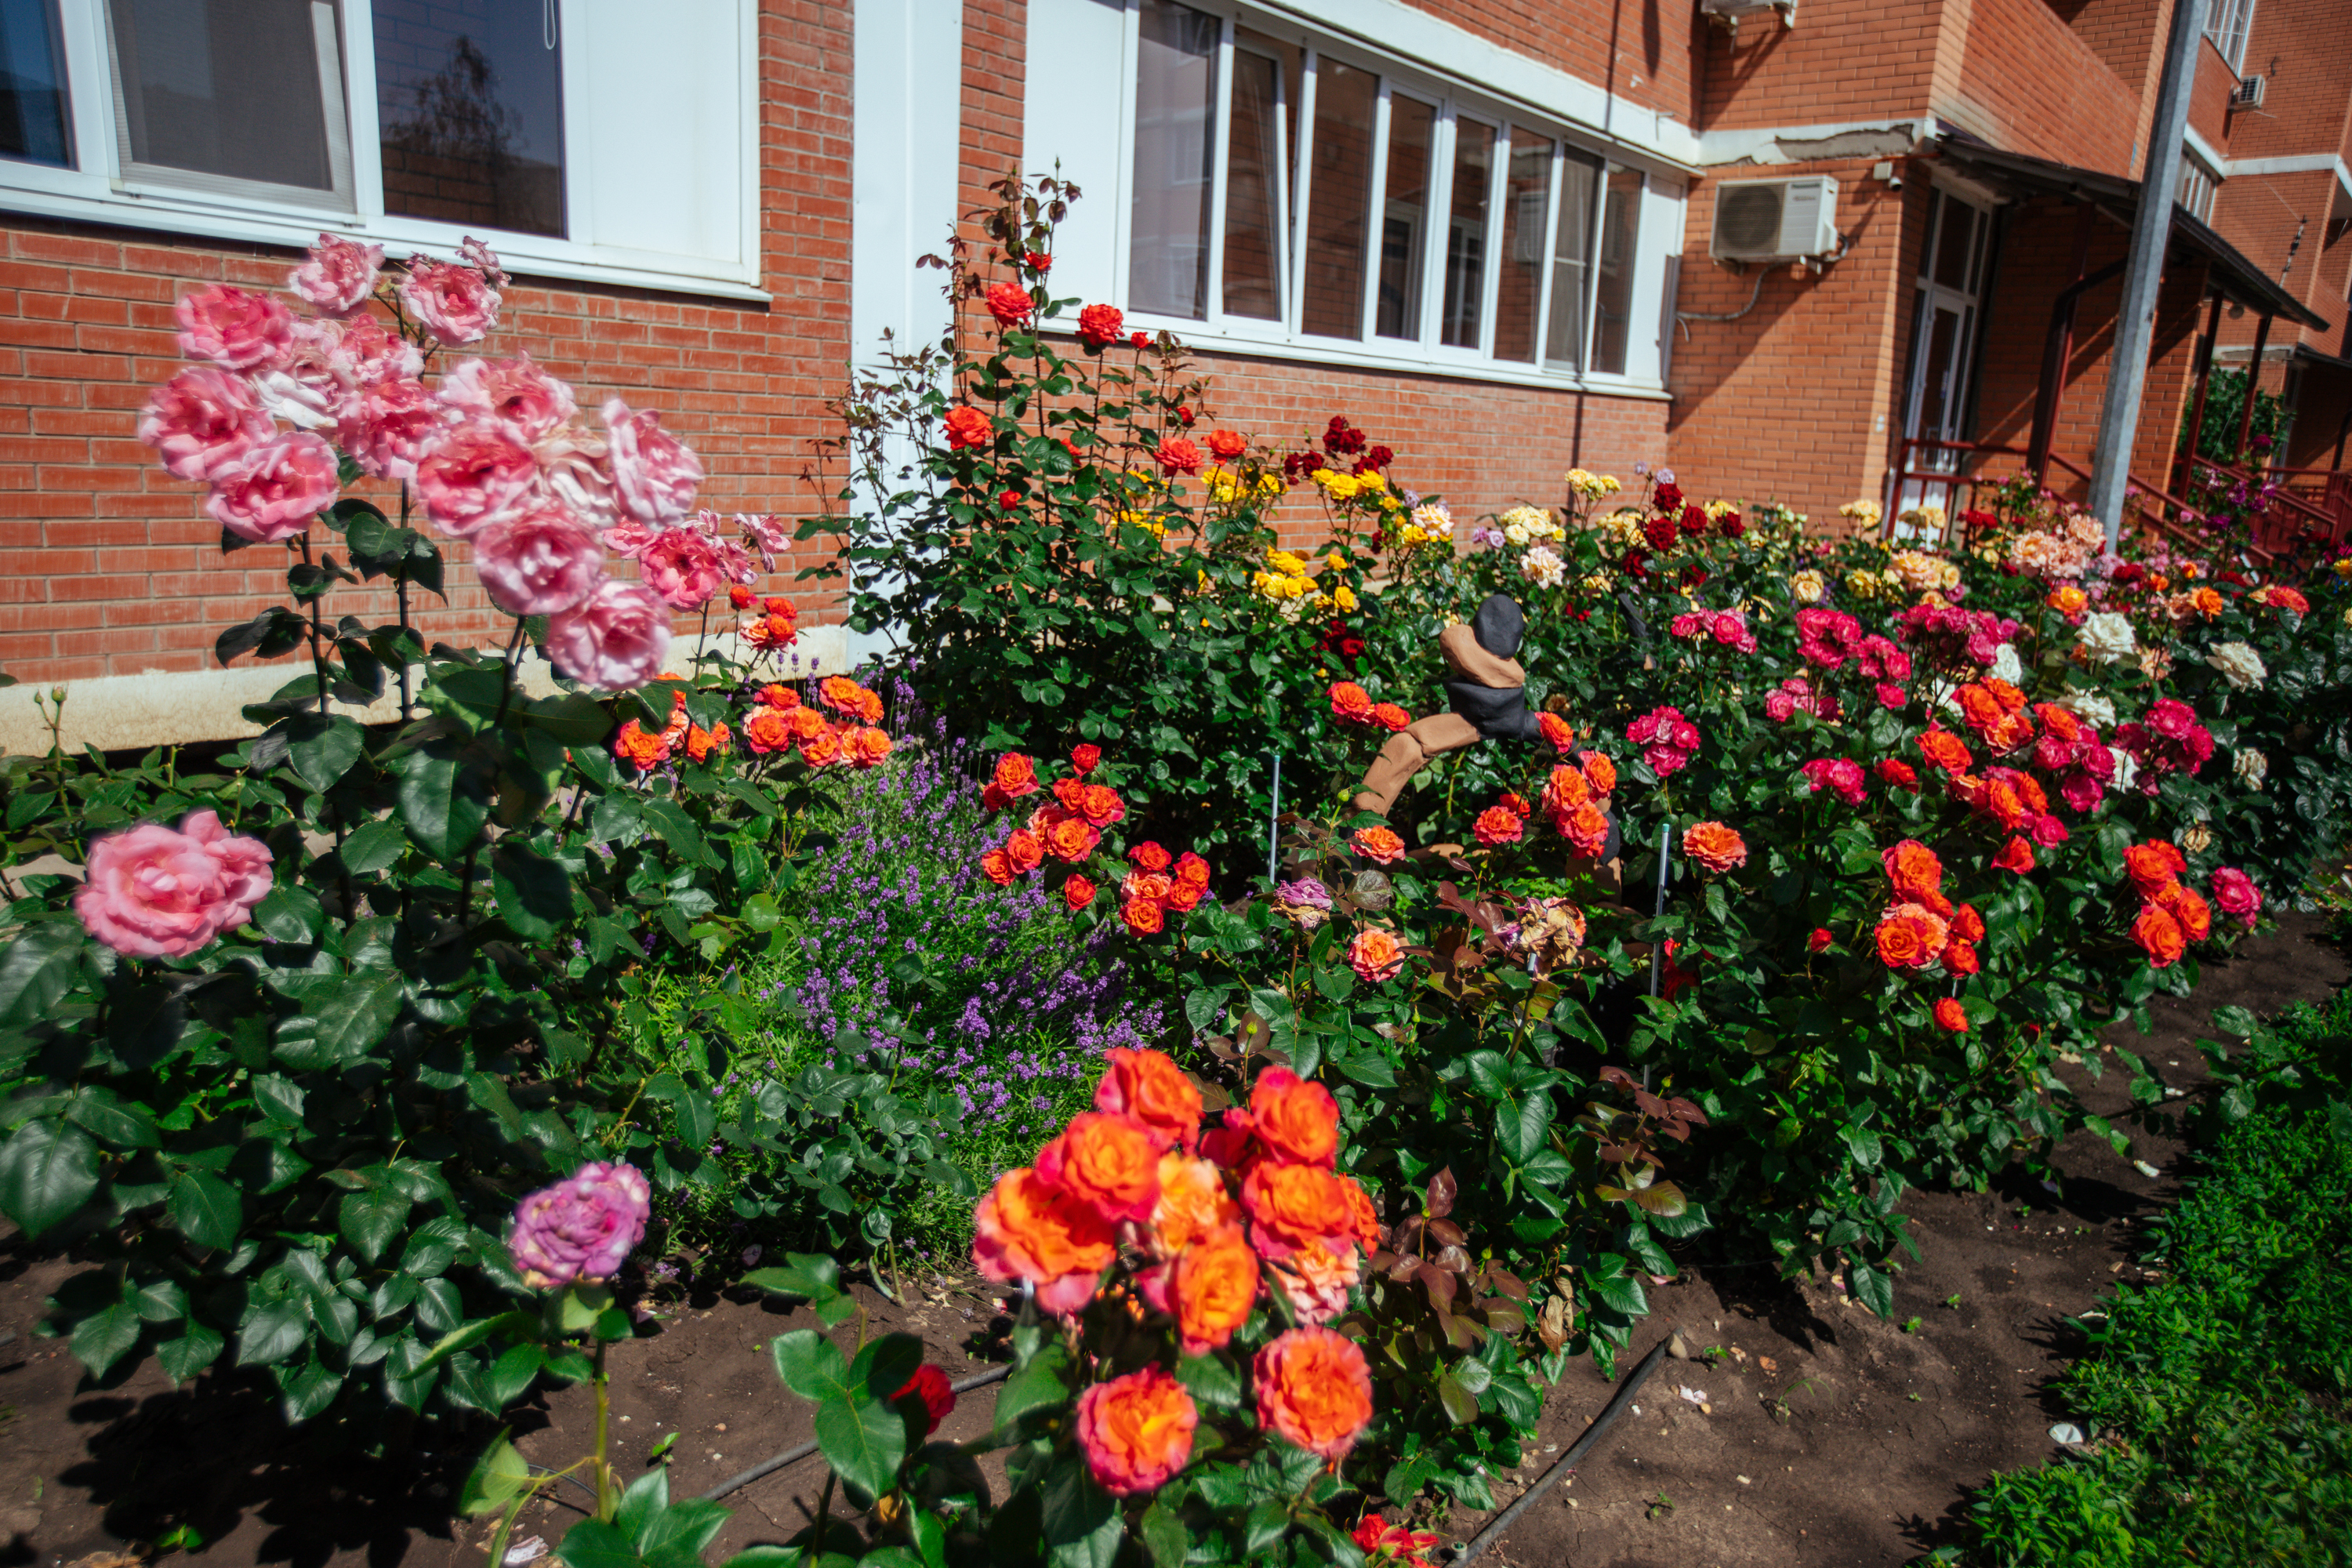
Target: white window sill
(42,192)
(1341,354)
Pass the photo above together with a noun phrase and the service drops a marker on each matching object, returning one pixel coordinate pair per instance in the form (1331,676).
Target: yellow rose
(1344,596)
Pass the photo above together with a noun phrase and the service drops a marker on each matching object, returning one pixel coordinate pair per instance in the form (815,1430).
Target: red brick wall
(2209,100)
(108,565)
(1844,60)
(2259,214)
(2300,45)
(1638,49)
(1787,402)
(2030,83)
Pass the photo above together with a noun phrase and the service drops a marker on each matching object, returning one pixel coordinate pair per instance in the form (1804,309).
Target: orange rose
(1917,875)
(822,749)
(1979,708)
(1316,1281)
(1586,829)
(869,706)
(1942,749)
(1100,805)
(1028,1228)
(2016,856)
(1378,842)
(1183,897)
(1016,775)
(1071,840)
(1149,1089)
(1213,1288)
(2067,600)
(841,694)
(2159,935)
(1153,884)
(1391,717)
(1191,868)
(1314,1389)
(1997,800)
(701,743)
(635,745)
(1911,936)
(1148,856)
(2188,907)
(769,632)
(1294,1120)
(1077,892)
(867,747)
(1026,850)
(1558,730)
(1193,1202)
(1069,791)
(1967,924)
(1496,827)
(2206,601)
(1960,957)
(1350,703)
(1107,1160)
(2059,721)
(2010,699)
(766,731)
(783,699)
(1290,1206)
(997,867)
(1137,1431)
(808,723)
(2153,866)
(1363,1220)
(1599,771)
(1565,790)
(1714,845)
(1144,917)
(2029,789)
(1375,956)
(1950,1016)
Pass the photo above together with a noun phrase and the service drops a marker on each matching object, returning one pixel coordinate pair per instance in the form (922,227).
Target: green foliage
(2225,401)
(2218,1391)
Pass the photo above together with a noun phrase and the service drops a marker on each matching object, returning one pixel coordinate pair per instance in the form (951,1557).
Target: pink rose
(202,418)
(273,490)
(478,256)
(765,530)
(456,303)
(2236,894)
(581,1229)
(475,474)
(234,329)
(339,274)
(307,389)
(527,400)
(654,474)
(367,354)
(2081,793)
(538,564)
(386,427)
(155,892)
(614,639)
(681,565)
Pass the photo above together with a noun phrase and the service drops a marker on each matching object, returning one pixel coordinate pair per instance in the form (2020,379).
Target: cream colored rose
(2107,637)
(2241,665)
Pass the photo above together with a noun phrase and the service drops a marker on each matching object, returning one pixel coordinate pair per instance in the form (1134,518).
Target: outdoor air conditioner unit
(1774,220)
(2247,93)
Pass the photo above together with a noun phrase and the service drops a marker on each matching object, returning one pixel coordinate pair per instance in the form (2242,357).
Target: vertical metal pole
(1658,908)
(2151,233)
(1273,825)
(2253,383)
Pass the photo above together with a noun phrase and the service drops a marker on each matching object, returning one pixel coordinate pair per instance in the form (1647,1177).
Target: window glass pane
(1952,245)
(1518,297)
(1175,104)
(231,88)
(1405,217)
(1257,155)
(1571,256)
(469,95)
(33,116)
(1612,298)
(1338,200)
(1465,234)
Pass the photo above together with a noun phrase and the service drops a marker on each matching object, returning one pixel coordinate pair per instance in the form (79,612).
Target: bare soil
(1825,1435)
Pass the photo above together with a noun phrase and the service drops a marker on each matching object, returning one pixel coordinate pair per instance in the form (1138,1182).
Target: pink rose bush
(580,1230)
(339,276)
(154,891)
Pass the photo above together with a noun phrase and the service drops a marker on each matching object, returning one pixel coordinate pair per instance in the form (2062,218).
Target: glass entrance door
(1945,316)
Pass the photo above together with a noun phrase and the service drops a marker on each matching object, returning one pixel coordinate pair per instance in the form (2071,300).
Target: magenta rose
(154,891)
(476,474)
(387,425)
(272,491)
(2235,894)
(614,639)
(457,304)
(338,276)
(367,354)
(681,565)
(514,392)
(202,418)
(538,564)
(234,329)
(582,1229)
(654,474)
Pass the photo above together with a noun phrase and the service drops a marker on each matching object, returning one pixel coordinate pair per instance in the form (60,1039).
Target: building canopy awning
(2233,275)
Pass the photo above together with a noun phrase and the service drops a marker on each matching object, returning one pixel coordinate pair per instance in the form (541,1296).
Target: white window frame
(1659,238)
(2231,25)
(99,190)
(2200,181)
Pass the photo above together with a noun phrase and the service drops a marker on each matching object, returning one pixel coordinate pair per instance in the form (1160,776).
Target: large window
(2198,183)
(1274,187)
(584,138)
(2228,23)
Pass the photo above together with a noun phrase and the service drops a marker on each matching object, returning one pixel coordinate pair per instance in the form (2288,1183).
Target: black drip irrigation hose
(1575,1451)
(769,1466)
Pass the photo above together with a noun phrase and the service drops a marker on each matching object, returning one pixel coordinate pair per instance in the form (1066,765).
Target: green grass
(2220,1389)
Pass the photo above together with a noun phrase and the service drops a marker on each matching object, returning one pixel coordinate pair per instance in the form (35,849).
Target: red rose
(968,427)
(1225,445)
(1010,303)
(1099,326)
(1950,1016)
(1177,455)
(1819,941)
(1085,757)
(1077,892)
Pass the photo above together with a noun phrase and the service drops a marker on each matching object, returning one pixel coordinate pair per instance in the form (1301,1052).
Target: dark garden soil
(1824,1436)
